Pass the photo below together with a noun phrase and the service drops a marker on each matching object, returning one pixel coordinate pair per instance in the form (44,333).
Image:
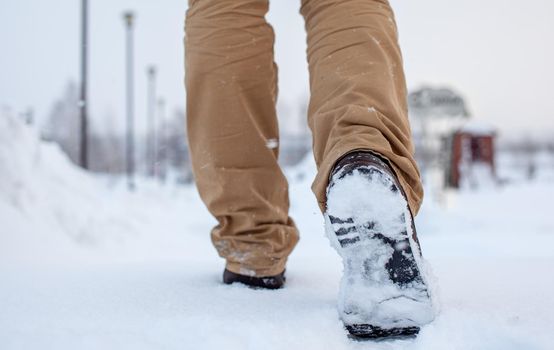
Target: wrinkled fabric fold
(358,89)
(231,83)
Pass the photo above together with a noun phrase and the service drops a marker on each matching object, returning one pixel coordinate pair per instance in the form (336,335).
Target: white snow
(272,143)
(345,197)
(84,264)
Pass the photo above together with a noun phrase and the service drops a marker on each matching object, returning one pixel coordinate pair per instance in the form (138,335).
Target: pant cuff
(276,267)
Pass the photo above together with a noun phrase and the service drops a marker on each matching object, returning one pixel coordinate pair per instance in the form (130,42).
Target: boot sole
(370,332)
(380,257)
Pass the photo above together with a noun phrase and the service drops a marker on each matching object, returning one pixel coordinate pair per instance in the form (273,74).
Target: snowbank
(44,201)
(52,210)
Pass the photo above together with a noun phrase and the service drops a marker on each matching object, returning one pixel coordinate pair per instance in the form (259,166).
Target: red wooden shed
(472,155)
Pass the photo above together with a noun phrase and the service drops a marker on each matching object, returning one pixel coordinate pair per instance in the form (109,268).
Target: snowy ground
(84,264)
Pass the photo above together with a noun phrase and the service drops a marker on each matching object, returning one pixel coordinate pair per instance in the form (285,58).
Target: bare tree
(62,125)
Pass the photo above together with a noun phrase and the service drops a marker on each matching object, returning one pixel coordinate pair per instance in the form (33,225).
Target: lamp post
(128,17)
(162,163)
(152,132)
(83,149)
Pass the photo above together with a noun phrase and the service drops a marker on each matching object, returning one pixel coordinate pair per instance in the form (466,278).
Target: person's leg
(368,184)
(358,90)
(233,133)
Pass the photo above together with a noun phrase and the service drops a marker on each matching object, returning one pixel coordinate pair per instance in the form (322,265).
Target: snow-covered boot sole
(383,290)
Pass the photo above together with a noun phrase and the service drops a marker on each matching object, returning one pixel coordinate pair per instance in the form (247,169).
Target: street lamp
(152,133)
(83,149)
(162,163)
(128,17)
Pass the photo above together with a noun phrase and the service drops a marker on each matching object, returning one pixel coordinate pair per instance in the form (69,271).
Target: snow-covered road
(86,265)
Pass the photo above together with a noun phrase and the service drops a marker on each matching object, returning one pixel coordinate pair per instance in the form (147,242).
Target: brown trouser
(358,101)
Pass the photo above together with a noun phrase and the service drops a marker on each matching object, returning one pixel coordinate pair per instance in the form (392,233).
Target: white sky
(497,53)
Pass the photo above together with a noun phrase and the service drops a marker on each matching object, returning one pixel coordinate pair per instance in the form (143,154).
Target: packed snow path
(86,265)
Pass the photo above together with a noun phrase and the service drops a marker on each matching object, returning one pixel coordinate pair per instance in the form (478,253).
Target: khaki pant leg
(358,89)
(233,133)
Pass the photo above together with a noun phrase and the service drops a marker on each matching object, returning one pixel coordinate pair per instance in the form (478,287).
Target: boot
(384,289)
(269,282)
